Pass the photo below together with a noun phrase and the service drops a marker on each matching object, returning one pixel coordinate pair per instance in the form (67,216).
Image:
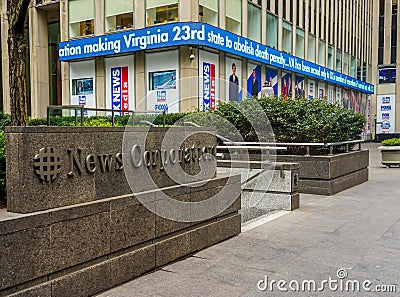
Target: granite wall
(85,232)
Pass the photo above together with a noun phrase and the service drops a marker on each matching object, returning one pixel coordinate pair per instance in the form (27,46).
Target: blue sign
(201,34)
(161,107)
(82,100)
(116,86)
(161,96)
(386,108)
(385,125)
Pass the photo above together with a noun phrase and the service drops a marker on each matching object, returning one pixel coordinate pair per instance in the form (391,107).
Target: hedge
(291,121)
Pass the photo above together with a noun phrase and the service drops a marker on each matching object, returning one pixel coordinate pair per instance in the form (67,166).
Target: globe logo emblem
(47,164)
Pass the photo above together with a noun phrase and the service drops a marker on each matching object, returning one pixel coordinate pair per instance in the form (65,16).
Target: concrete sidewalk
(357,230)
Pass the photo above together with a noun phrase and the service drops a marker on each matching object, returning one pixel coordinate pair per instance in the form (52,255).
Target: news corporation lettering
(193,33)
(140,158)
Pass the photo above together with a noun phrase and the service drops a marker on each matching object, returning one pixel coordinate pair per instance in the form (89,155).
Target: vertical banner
(286,85)
(120,88)
(272,78)
(299,87)
(346,99)
(368,115)
(311,89)
(386,121)
(125,89)
(339,96)
(253,80)
(321,91)
(331,98)
(234,80)
(209,101)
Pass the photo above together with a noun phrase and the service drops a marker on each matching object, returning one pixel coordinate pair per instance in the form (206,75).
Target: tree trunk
(16,12)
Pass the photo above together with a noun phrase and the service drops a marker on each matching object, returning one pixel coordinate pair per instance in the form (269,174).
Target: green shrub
(298,120)
(5,120)
(391,142)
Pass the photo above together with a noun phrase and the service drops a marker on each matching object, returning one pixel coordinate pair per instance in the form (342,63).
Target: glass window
(161,11)
(208,12)
(346,64)
(311,48)
(254,22)
(299,43)
(118,14)
(287,37)
(272,30)
(339,61)
(353,68)
(234,16)
(81,17)
(330,57)
(321,52)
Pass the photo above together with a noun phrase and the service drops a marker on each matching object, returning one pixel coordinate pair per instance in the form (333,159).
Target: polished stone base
(84,249)
(266,186)
(329,175)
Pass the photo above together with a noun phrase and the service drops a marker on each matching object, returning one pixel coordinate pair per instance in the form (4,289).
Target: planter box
(390,155)
(329,175)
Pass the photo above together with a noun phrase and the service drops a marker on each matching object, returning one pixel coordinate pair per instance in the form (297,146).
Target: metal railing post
(347,147)
(48,115)
(331,150)
(112,118)
(307,151)
(76,117)
(164,118)
(82,118)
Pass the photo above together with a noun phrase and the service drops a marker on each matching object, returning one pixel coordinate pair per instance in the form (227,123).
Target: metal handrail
(244,147)
(331,146)
(219,136)
(279,143)
(82,109)
(148,123)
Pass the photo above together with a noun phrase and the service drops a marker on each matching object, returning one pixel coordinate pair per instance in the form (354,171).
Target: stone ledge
(334,186)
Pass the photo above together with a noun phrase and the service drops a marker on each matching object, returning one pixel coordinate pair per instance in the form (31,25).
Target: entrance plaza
(351,238)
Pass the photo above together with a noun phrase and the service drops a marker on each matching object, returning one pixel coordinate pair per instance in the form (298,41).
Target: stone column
(223,77)
(222,14)
(4,58)
(188,10)
(189,82)
(139,12)
(244,19)
(99,17)
(264,22)
(100,83)
(140,81)
(64,29)
(39,62)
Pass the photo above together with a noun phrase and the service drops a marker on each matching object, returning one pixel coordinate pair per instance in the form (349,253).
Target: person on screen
(266,90)
(254,86)
(233,85)
(80,88)
(284,89)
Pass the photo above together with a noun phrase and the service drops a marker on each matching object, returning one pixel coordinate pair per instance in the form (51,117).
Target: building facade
(180,55)
(387,60)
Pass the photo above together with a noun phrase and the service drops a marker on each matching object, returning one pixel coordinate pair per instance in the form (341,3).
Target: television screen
(162,80)
(82,86)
